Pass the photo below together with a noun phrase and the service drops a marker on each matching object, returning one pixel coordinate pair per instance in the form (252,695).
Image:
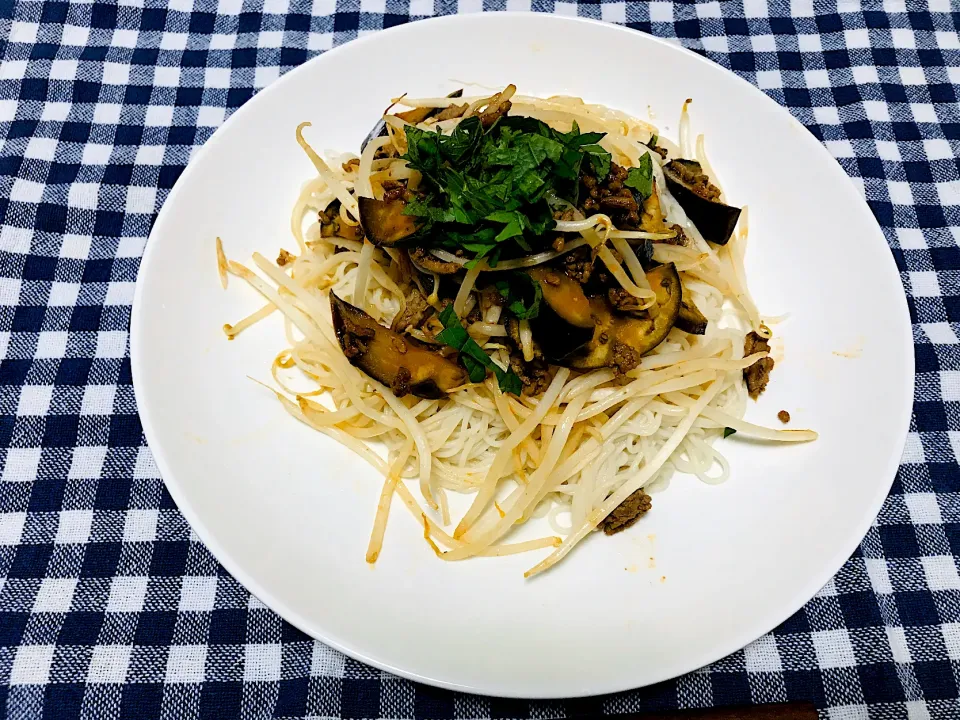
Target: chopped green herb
(474,359)
(654,139)
(509,381)
(483,190)
(728,431)
(599,159)
(522,295)
(640,178)
(453,333)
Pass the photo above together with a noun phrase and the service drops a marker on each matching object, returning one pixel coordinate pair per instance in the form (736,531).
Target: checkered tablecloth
(110,607)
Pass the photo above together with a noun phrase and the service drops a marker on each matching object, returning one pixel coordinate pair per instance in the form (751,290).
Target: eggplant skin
(564,296)
(565,323)
(620,341)
(599,337)
(558,339)
(644,252)
(713,219)
(384,223)
(399,362)
(690,319)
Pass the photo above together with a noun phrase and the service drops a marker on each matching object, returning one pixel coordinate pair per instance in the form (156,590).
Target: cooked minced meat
(414,312)
(428,261)
(534,375)
(695,179)
(578,264)
(625,358)
(757,375)
(393,190)
(560,239)
(609,195)
(626,513)
(661,151)
(625,302)
(355,338)
(513,331)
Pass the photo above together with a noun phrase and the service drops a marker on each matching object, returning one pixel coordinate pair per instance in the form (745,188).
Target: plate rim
(225,558)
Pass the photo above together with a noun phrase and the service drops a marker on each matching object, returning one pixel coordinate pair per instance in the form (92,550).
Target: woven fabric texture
(109,606)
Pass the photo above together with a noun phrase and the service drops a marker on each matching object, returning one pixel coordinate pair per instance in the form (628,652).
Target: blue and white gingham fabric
(110,608)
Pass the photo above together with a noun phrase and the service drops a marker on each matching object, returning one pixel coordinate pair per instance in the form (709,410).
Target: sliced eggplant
(384,223)
(564,325)
(558,339)
(399,362)
(564,295)
(585,333)
(620,341)
(690,319)
(378,130)
(698,198)
(415,116)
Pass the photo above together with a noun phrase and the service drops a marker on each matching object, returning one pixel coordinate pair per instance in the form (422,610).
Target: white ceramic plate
(288,511)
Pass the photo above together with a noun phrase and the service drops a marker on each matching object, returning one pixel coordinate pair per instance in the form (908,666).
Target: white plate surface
(288,511)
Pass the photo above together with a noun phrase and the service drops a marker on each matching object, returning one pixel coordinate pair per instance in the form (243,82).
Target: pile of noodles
(571,454)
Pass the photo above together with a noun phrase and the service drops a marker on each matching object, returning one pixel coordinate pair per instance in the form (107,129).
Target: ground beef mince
(695,179)
(626,513)
(623,203)
(431,263)
(661,151)
(414,312)
(561,238)
(625,302)
(513,331)
(490,298)
(392,190)
(625,358)
(757,375)
(609,195)
(355,338)
(534,375)
(475,314)
(578,264)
